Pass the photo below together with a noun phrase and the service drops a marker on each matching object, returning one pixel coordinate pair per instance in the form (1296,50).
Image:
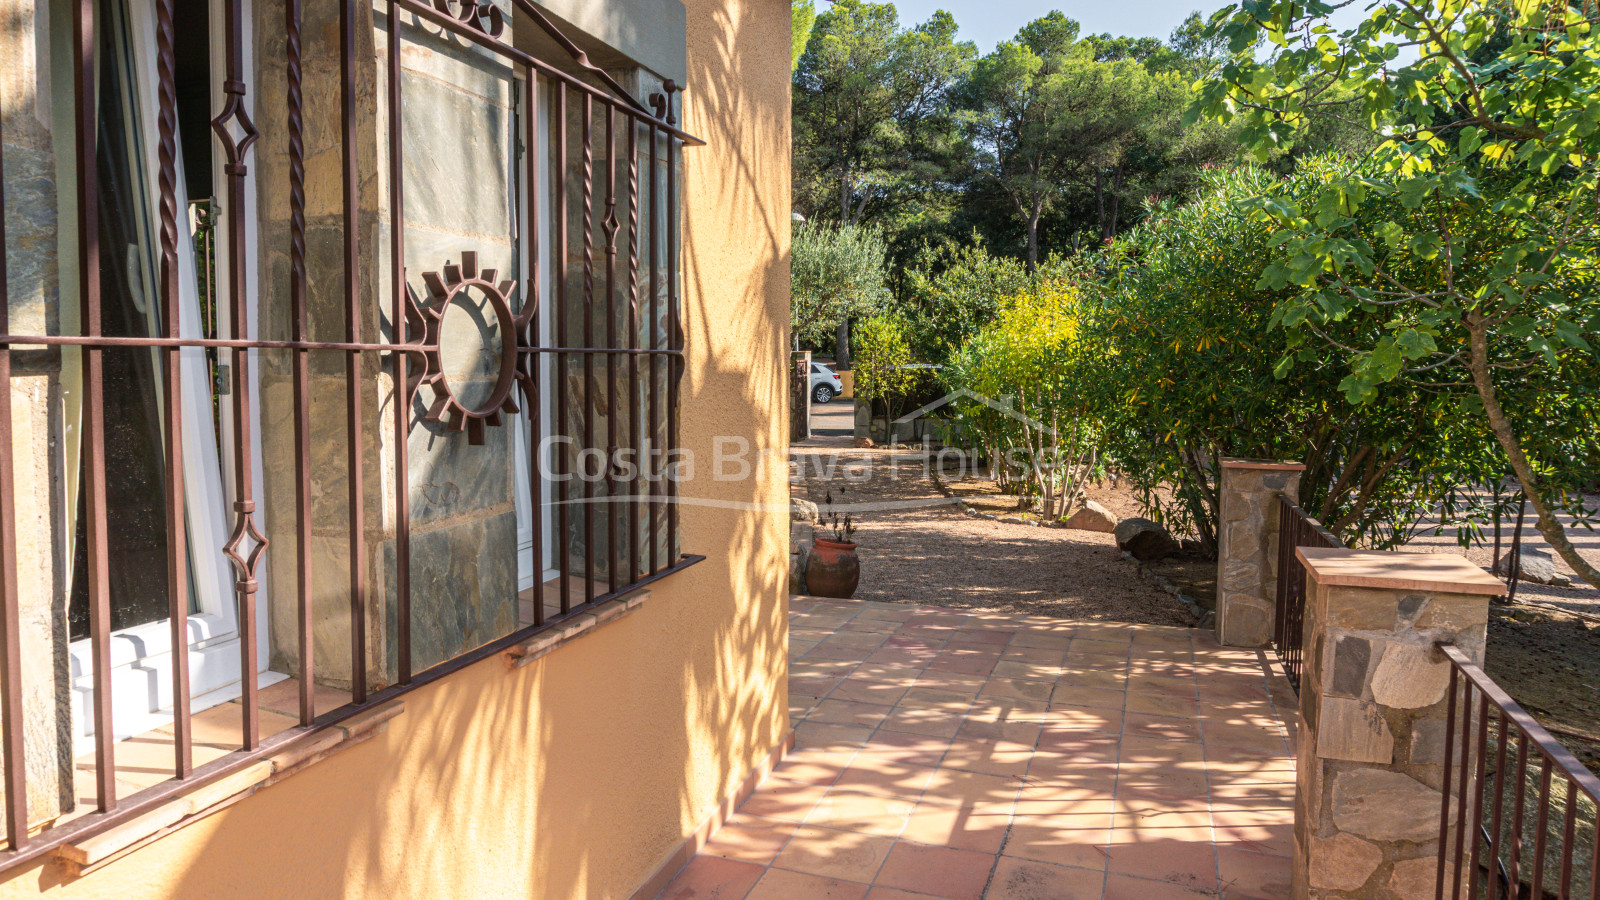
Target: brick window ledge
(569,630)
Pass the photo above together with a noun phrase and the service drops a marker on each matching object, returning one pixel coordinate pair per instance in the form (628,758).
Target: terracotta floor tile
(1124,887)
(1009,709)
(1102,681)
(885,777)
(712,878)
(1163,746)
(951,681)
(1016,687)
(812,766)
(1034,655)
(788,801)
(1275,840)
(1090,698)
(1069,840)
(1141,818)
(1026,733)
(1087,718)
(888,893)
(782,884)
(1184,858)
(1040,640)
(848,712)
(1253,874)
(932,722)
(1158,784)
(749,838)
(937,871)
(866,813)
(974,790)
(1142,750)
(991,758)
(1158,705)
(1021,879)
(1076,743)
(1097,648)
(846,855)
(962,665)
(883,692)
(830,737)
(957,826)
(1029,671)
(1160,727)
(906,748)
(933,698)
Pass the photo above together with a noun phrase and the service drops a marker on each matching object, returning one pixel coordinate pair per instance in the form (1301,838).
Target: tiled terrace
(944,753)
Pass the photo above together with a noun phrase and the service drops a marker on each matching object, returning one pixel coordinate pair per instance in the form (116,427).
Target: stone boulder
(1536,566)
(1091,516)
(864,443)
(1145,539)
(802,510)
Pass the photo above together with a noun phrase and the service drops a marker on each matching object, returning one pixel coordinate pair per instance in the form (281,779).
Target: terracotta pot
(834,569)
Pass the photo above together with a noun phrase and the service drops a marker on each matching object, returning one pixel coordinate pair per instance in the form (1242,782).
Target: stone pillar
(36,108)
(1247,548)
(1372,701)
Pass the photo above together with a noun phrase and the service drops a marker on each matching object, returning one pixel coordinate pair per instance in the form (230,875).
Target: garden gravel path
(918,546)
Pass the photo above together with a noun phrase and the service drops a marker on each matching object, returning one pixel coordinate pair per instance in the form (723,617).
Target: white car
(825,383)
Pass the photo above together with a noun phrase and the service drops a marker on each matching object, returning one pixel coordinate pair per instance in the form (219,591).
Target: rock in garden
(1092,517)
(864,443)
(1535,566)
(802,510)
(1145,539)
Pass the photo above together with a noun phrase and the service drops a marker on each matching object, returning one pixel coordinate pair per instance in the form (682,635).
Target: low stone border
(1203,618)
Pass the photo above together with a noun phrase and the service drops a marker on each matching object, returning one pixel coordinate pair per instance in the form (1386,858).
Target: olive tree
(836,273)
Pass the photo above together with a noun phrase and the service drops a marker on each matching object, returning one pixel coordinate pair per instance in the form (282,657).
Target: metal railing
(1295,529)
(1517,811)
(610,205)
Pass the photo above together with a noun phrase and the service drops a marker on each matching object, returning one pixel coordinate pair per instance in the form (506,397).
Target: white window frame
(542,334)
(141,656)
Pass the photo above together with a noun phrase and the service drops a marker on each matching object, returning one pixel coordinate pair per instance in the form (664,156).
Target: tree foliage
(871,118)
(1037,413)
(836,273)
(1464,256)
(1193,360)
(883,355)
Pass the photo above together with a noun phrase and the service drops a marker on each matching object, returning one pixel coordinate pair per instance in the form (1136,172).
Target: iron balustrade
(1295,530)
(1517,809)
(413,354)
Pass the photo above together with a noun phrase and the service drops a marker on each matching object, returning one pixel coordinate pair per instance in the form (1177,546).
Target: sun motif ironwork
(443,290)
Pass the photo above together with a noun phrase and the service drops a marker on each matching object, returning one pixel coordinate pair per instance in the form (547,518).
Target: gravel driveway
(916,546)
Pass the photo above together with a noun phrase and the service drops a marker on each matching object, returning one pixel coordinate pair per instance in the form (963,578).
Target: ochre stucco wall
(579,774)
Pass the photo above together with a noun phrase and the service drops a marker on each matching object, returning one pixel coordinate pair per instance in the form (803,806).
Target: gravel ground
(917,546)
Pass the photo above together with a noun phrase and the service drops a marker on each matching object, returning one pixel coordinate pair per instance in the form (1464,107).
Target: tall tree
(1043,112)
(870,108)
(872,120)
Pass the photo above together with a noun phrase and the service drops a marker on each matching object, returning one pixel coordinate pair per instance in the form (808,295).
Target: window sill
(85,856)
(565,632)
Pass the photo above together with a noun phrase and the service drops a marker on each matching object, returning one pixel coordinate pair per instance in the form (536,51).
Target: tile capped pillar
(1373,705)
(1247,547)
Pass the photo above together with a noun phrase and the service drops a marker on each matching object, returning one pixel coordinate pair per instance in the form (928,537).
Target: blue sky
(987,22)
